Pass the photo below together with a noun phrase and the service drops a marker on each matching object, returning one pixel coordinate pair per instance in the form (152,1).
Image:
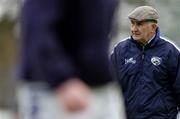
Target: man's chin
(136,38)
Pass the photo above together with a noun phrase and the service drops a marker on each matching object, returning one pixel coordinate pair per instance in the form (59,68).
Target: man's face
(142,31)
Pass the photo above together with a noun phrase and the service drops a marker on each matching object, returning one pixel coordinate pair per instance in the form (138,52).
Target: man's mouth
(136,34)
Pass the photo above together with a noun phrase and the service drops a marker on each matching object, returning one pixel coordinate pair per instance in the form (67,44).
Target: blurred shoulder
(122,43)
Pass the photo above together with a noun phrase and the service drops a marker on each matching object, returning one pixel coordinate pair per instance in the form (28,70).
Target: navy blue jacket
(149,77)
(64,39)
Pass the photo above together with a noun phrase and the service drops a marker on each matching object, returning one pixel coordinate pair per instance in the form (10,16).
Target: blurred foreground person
(148,69)
(64,62)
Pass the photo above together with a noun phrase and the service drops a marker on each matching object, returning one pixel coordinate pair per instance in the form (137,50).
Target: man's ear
(154,26)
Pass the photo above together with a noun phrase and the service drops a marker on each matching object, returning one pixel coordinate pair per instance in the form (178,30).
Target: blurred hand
(74,95)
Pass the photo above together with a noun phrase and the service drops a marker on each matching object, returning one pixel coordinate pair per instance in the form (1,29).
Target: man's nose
(134,28)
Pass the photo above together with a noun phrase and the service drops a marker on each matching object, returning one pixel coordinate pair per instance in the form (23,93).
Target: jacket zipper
(143,53)
(141,82)
(142,63)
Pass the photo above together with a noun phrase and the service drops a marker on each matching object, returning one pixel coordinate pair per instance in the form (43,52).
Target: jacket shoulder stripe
(171,42)
(118,43)
(121,41)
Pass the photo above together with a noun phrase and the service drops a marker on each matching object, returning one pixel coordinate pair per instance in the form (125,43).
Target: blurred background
(169,12)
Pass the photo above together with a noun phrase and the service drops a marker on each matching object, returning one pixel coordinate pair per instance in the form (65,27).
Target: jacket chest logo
(156,60)
(130,60)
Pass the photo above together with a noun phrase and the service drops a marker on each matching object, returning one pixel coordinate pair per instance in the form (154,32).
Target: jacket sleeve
(177,82)
(113,64)
(175,69)
(44,57)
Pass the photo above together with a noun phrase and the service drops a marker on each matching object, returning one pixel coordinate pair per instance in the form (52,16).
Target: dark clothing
(66,38)
(149,76)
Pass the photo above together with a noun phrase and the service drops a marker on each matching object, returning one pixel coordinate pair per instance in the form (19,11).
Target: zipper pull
(143,56)
(143,53)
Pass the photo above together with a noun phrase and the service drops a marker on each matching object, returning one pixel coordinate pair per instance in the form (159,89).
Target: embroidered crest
(156,60)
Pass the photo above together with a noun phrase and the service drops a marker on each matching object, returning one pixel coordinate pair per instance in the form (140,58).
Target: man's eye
(139,24)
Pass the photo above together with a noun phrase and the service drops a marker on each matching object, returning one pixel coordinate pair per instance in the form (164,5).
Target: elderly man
(148,68)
